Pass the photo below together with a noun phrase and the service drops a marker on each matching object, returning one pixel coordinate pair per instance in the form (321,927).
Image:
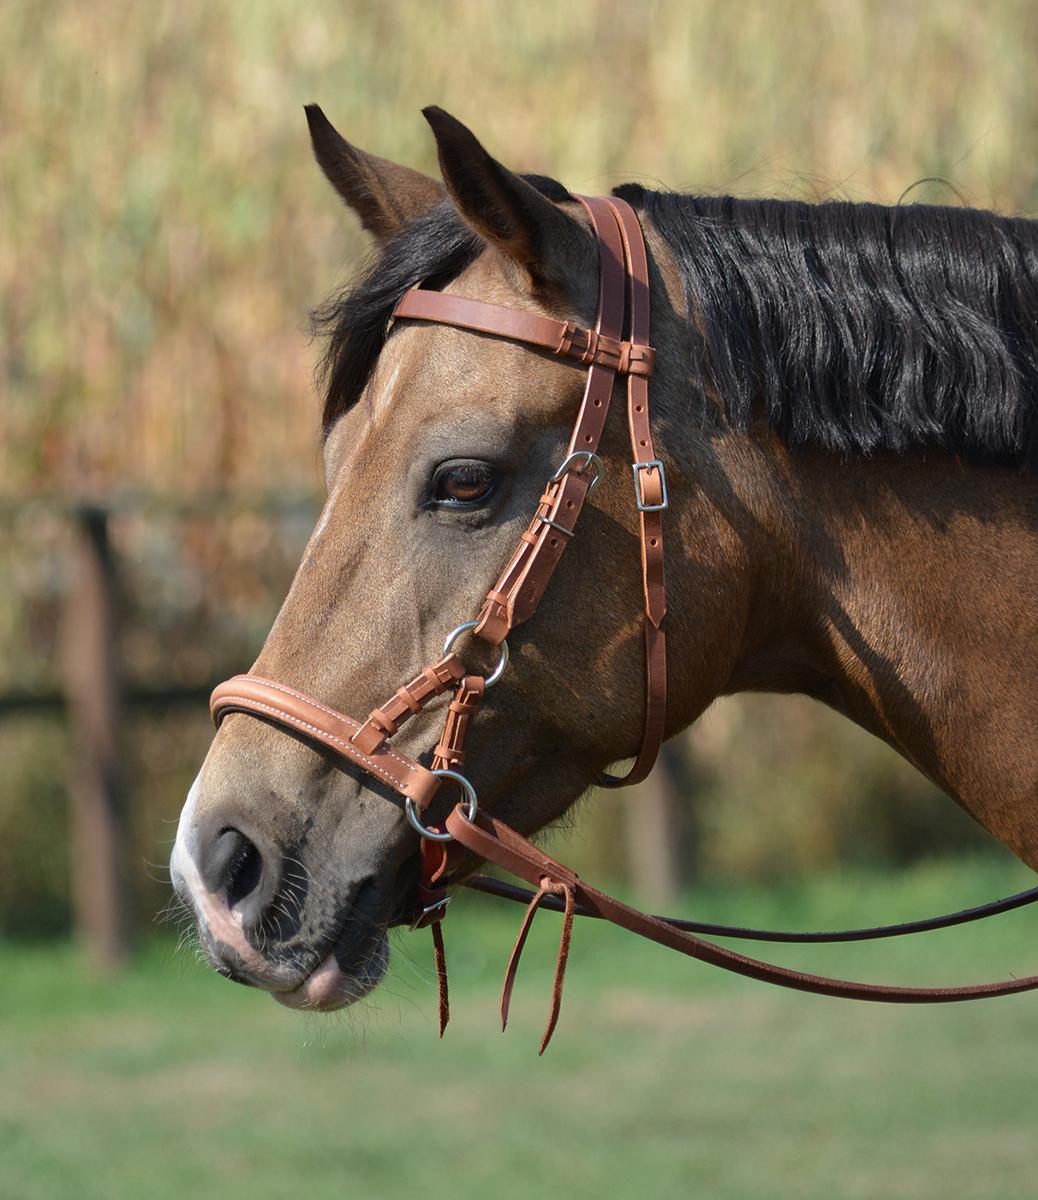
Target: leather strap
(319,723)
(650,494)
(495,842)
(406,702)
(623,286)
(491,886)
(568,340)
(515,596)
(548,887)
(450,750)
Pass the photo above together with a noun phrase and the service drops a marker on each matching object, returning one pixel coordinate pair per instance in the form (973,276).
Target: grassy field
(665,1079)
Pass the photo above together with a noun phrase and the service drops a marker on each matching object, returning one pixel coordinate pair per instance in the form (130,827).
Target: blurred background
(163,235)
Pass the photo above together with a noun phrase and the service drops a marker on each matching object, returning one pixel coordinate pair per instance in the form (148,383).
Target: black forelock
(859,327)
(430,251)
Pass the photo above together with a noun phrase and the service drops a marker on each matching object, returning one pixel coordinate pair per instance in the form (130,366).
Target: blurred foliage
(164,233)
(785,787)
(165,230)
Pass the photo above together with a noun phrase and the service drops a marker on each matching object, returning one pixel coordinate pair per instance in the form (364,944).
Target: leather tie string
(432,894)
(443,1001)
(548,887)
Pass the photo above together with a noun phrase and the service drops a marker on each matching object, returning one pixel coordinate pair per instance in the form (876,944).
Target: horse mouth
(355,964)
(330,987)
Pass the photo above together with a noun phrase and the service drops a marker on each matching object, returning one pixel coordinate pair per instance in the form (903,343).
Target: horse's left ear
(507,211)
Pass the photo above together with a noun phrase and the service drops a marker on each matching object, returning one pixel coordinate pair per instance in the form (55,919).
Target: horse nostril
(243,871)
(233,863)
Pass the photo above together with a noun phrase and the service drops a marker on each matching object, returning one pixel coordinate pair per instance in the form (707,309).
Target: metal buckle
(502,661)
(555,525)
(470,800)
(591,463)
(441,903)
(639,494)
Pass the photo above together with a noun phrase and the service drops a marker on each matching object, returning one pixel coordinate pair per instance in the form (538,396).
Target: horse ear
(383,194)
(506,210)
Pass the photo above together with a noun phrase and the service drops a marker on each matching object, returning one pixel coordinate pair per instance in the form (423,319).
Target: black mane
(858,327)
(854,327)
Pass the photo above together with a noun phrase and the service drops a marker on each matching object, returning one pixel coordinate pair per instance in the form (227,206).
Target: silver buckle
(591,463)
(639,494)
(555,525)
(430,908)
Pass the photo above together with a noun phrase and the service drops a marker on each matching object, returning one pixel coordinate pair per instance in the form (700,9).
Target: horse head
(828,540)
(437,445)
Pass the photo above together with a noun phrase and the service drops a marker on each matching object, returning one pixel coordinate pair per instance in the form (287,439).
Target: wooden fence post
(658,824)
(96,783)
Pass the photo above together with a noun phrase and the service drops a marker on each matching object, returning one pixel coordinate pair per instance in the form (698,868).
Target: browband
(560,337)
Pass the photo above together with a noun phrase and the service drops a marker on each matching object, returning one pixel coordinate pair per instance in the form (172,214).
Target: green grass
(665,1079)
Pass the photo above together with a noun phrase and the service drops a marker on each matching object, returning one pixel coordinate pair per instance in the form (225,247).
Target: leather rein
(618,345)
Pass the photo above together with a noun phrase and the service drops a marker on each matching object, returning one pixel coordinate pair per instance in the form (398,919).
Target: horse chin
(329,987)
(357,957)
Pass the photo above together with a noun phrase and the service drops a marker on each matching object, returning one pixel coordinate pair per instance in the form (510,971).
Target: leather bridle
(617,345)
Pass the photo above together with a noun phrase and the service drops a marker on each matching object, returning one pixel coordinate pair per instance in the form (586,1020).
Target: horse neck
(899,592)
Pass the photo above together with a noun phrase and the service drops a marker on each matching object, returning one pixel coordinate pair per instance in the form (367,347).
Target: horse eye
(463,484)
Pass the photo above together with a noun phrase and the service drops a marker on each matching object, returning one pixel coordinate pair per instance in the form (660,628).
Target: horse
(844,407)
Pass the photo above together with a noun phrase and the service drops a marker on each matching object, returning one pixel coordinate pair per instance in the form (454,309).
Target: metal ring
(502,661)
(470,799)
